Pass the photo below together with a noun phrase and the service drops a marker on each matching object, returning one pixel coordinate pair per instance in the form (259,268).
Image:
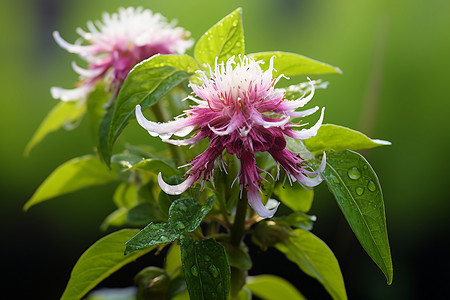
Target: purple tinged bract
(240,112)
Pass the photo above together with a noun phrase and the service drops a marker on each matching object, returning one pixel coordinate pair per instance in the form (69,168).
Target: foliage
(205,220)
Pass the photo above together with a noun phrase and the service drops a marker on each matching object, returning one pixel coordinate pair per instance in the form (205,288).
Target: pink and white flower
(116,44)
(239,111)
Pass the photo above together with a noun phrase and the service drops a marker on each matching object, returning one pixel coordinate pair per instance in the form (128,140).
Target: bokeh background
(395,61)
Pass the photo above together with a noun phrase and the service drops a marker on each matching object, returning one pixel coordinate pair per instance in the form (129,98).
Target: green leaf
(314,257)
(297,219)
(64,113)
(128,293)
(295,197)
(223,40)
(291,64)
(173,260)
(142,214)
(73,175)
(358,193)
(155,166)
(102,259)
(206,268)
(338,138)
(146,83)
(270,287)
(185,215)
(238,257)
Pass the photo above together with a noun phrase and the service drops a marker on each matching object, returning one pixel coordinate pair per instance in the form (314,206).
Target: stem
(161,116)
(238,228)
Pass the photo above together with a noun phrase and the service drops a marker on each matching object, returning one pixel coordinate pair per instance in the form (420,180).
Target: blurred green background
(395,60)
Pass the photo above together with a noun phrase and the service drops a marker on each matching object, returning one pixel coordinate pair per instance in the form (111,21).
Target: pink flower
(240,111)
(116,44)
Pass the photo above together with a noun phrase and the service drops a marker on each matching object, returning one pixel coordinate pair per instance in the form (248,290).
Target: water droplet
(219,288)
(335,179)
(194,270)
(359,191)
(207,258)
(354,173)
(180,225)
(182,207)
(371,186)
(235,23)
(365,167)
(213,271)
(163,238)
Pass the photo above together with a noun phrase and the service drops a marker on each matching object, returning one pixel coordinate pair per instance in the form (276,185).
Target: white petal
(254,199)
(164,130)
(70,94)
(175,189)
(84,72)
(63,44)
(310,132)
(291,105)
(303,113)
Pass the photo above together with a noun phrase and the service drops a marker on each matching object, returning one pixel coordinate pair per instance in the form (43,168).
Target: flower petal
(178,127)
(254,200)
(70,94)
(306,133)
(175,189)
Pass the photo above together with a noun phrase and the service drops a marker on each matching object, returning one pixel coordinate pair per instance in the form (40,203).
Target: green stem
(238,228)
(161,116)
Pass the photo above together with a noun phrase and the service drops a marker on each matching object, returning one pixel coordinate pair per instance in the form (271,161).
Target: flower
(240,111)
(116,44)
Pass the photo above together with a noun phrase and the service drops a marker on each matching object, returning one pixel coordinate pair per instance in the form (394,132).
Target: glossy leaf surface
(223,40)
(77,173)
(206,268)
(291,64)
(314,257)
(102,259)
(146,83)
(64,113)
(270,287)
(185,215)
(338,138)
(358,193)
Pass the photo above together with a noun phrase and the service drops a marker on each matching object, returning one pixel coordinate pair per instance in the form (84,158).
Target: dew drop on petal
(354,173)
(371,186)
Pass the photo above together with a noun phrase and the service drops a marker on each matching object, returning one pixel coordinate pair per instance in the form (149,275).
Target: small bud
(268,233)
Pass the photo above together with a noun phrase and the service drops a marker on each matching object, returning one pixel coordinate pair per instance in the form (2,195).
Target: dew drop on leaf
(214,271)
(354,173)
(180,225)
(207,258)
(371,186)
(194,270)
(359,191)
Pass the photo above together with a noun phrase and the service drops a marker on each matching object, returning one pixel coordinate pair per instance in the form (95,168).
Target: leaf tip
(382,142)
(338,70)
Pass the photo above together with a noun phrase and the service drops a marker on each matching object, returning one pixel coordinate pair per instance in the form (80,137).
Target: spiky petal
(240,112)
(112,47)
